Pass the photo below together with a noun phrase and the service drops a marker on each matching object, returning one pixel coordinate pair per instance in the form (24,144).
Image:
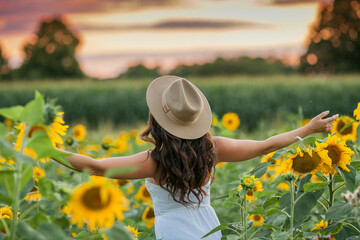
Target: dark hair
(185,165)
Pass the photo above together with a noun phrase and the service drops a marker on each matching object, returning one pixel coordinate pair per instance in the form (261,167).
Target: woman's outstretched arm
(142,163)
(233,150)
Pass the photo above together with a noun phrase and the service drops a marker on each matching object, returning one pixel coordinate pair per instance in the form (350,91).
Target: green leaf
(52,231)
(338,211)
(218,228)
(26,174)
(309,187)
(8,152)
(25,231)
(33,111)
(270,201)
(260,170)
(7,181)
(118,171)
(229,202)
(333,228)
(280,235)
(118,232)
(46,187)
(310,140)
(3,130)
(349,177)
(257,210)
(264,193)
(356,165)
(12,113)
(278,179)
(302,182)
(304,205)
(284,201)
(272,211)
(83,235)
(279,153)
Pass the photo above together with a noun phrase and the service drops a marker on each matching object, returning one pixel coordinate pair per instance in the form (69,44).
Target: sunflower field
(309,190)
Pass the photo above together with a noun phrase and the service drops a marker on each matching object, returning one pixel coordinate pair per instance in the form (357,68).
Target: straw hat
(179,107)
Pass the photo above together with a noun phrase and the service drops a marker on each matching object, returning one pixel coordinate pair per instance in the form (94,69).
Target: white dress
(174,221)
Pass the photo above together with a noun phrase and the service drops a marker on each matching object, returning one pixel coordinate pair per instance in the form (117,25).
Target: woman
(178,170)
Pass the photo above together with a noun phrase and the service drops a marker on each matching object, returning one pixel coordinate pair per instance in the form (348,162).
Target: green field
(254,99)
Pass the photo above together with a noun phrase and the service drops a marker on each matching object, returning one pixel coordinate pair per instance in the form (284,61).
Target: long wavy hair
(184,165)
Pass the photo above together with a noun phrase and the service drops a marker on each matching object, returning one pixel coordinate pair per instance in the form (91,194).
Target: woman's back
(175,221)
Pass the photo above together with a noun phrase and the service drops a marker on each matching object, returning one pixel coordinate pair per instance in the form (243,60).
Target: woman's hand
(318,124)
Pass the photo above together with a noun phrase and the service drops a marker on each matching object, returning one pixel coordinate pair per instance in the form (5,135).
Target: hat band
(172,116)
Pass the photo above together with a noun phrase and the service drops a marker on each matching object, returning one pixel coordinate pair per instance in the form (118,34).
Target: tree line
(333,47)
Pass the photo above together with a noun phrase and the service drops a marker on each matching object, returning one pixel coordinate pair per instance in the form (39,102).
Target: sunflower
(231,121)
(320,225)
(148,216)
(121,145)
(304,122)
(6,212)
(221,164)
(96,204)
(247,182)
(33,195)
(283,186)
(90,150)
(357,112)
(133,231)
(57,128)
(349,133)
(139,141)
(38,173)
(124,136)
(307,161)
(143,195)
(338,152)
(79,132)
(214,121)
(273,169)
(257,219)
(250,194)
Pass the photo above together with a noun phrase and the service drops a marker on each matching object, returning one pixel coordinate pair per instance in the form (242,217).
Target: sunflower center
(77,133)
(306,163)
(146,193)
(347,130)
(150,214)
(334,153)
(93,200)
(250,193)
(257,217)
(230,121)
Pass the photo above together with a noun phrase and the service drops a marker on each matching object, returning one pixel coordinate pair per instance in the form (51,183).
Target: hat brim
(154,101)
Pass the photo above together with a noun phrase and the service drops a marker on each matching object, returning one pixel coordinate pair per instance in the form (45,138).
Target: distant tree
(52,55)
(4,66)
(140,71)
(334,41)
(242,65)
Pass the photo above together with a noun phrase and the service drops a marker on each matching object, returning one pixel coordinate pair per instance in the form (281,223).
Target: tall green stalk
(17,188)
(331,190)
(292,206)
(245,217)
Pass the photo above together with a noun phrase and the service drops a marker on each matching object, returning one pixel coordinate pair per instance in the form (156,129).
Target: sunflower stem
(17,183)
(27,211)
(245,218)
(292,204)
(331,191)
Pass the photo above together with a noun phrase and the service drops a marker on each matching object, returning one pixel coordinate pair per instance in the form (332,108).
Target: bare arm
(233,150)
(142,162)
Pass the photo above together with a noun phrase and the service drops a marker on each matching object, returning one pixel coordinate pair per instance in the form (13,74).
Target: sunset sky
(117,33)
